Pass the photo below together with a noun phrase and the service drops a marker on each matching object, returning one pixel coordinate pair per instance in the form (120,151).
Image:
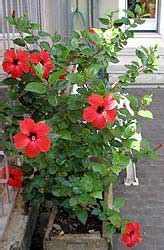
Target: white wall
(105,6)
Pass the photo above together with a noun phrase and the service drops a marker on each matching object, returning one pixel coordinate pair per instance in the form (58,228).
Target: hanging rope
(77,13)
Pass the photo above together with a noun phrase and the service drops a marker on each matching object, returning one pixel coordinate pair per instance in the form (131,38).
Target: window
(149,9)
(30,7)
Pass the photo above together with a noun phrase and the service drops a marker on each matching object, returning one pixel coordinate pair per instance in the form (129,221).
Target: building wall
(107,6)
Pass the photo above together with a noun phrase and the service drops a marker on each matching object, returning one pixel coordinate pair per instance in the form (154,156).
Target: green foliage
(36,87)
(83,161)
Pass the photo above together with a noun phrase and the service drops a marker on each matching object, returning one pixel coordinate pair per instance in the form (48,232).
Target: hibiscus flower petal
(126,239)
(16,71)
(109,102)
(132,226)
(7,66)
(136,226)
(20,140)
(111,115)
(22,55)
(35,57)
(17,173)
(10,55)
(49,65)
(99,122)
(95,100)
(62,77)
(17,183)
(43,143)
(25,66)
(42,129)
(44,56)
(32,150)
(89,114)
(46,72)
(27,126)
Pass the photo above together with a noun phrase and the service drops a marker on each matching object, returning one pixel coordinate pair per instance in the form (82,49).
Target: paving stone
(145,203)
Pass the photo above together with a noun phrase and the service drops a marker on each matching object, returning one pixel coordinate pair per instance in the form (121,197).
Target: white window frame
(152,24)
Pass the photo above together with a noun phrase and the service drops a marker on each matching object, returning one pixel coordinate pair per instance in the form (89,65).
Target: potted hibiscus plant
(74,130)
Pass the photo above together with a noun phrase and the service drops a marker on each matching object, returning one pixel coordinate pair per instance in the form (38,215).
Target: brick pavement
(145,203)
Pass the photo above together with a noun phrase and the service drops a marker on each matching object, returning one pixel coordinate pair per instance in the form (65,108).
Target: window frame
(150,25)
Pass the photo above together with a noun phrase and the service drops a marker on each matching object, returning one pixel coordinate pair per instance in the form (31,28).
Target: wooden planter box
(91,241)
(77,242)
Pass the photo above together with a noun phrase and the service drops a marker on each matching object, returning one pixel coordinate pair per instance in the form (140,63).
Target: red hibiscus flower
(101,110)
(73,57)
(132,234)
(91,30)
(43,58)
(33,137)
(62,77)
(15,176)
(16,63)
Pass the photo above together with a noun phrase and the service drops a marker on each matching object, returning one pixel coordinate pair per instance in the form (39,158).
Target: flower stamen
(33,138)
(100,109)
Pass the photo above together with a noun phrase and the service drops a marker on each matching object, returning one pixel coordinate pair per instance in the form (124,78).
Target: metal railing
(7,32)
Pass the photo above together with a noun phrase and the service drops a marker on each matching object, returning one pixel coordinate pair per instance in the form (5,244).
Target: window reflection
(148,7)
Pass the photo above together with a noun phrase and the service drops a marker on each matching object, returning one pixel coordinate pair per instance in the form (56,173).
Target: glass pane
(148,7)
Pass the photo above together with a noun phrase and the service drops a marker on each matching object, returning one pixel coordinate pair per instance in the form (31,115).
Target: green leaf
(116,219)
(74,103)
(36,87)
(52,170)
(45,45)
(19,41)
(64,134)
(76,78)
(73,201)
(114,59)
(87,51)
(30,39)
(136,145)
(87,183)
(74,42)
(138,9)
(133,102)
(56,38)
(117,169)
(55,75)
(39,69)
(145,113)
(82,215)
(98,167)
(52,100)
(104,21)
(141,55)
(118,22)
(96,211)
(119,202)
(84,198)
(43,34)
(110,229)
(10,20)
(39,182)
(129,13)
(97,195)
(35,26)
(147,100)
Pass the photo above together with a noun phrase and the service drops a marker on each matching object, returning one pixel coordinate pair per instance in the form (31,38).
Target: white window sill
(147,35)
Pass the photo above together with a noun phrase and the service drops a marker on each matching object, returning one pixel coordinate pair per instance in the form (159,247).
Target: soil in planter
(64,224)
